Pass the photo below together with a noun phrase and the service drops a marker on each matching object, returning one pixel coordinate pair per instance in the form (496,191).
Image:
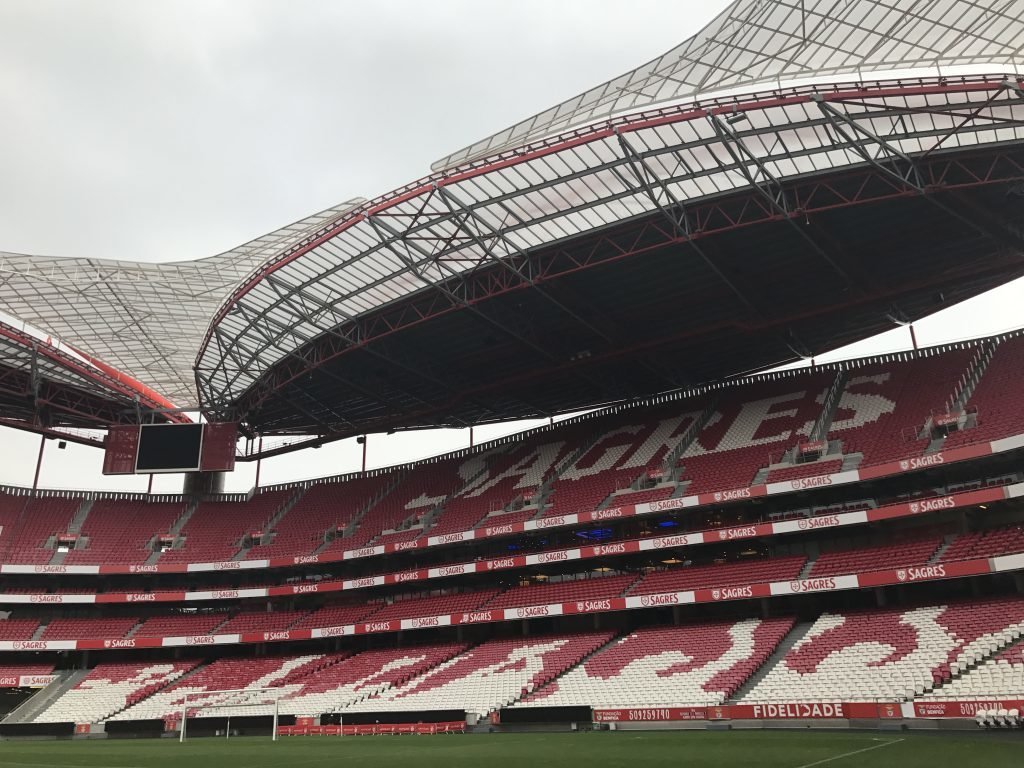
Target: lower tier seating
(109,688)
(488,676)
(1000,676)
(889,654)
(700,664)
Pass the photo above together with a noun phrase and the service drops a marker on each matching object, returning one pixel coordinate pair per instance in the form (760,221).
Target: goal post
(238,698)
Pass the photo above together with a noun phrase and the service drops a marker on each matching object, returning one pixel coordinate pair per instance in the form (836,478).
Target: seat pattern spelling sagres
(751,428)
(996,399)
(618,458)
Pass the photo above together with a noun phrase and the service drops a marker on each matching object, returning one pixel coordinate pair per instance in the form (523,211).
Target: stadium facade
(714,543)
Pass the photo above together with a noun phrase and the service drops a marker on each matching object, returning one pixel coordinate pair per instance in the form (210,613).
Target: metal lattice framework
(757,110)
(342,288)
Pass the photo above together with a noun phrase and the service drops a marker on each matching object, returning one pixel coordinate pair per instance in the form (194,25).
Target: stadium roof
(754,43)
(142,318)
(741,126)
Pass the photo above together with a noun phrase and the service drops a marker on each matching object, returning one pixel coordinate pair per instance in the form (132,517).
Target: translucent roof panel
(144,319)
(754,43)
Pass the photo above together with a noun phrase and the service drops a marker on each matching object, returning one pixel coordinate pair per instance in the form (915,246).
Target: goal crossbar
(235,698)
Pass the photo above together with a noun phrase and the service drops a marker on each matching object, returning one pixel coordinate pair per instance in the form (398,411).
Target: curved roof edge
(766,42)
(141,318)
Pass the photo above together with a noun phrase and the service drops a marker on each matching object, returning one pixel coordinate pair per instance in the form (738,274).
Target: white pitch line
(850,754)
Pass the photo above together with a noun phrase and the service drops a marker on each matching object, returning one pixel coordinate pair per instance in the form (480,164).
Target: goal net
(228,703)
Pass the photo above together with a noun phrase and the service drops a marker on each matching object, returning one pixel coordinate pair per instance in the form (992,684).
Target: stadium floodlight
(238,698)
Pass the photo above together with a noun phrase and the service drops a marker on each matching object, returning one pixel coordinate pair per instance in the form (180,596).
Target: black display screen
(169,448)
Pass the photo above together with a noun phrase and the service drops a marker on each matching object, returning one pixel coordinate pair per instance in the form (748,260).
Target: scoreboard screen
(169,448)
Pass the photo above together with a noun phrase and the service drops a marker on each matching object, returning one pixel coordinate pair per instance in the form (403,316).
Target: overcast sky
(174,130)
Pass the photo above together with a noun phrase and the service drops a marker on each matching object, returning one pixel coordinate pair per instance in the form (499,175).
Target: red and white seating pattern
(751,428)
(617,459)
(885,405)
(120,531)
(1000,676)
(668,666)
(424,488)
(334,687)
(109,688)
(222,675)
(889,654)
(320,508)
(488,676)
(506,474)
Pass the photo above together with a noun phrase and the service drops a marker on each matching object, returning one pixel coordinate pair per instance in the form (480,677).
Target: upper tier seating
(488,676)
(394,537)
(25,670)
(563,591)
(39,519)
(889,654)
(875,558)
(336,615)
(990,543)
(121,531)
(885,405)
(723,575)
(643,496)
(617,459)
(260,621)
(437,605)
(181,625)
(500,477)
(216,529)
(882,408)
(751,428)
(18,629)
(320,508)
(668,666)
(809,469)
(424,487)
(109,688)
(996,399)
(76,629)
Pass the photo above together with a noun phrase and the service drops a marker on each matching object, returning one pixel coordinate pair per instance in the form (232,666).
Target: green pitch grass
(625,749)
